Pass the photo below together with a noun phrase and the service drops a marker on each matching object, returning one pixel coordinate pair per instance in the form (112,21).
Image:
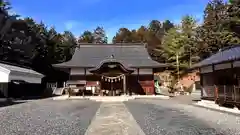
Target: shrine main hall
(113,69)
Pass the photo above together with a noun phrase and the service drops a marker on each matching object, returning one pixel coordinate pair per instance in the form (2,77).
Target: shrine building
(113,68)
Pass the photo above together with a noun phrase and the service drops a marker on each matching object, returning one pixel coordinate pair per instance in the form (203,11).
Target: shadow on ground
(157,119)
(4,103)
(34,98)
(13,101)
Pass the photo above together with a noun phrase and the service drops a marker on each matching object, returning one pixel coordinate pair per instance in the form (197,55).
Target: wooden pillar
(201,83)
(124,85)
(215,83)
(202,77)
(112,89)
(233,75)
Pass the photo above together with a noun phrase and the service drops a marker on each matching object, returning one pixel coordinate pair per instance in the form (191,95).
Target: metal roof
(91,55)
(12,68)
(228,54)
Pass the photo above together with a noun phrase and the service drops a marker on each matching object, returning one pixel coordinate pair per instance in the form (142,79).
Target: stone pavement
(114,118)
(134,117)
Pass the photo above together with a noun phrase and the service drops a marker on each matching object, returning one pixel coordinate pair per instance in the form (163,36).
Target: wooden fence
(222,94)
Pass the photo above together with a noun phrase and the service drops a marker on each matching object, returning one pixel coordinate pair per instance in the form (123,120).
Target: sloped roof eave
(5,70)
(199,65)
(12,68)
(26,74)
(130,66)
(228,55)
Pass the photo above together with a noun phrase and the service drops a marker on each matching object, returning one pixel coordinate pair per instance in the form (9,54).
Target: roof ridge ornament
(112,56)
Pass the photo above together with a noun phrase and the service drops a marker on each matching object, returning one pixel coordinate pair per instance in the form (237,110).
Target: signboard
(145,71)
(77,71)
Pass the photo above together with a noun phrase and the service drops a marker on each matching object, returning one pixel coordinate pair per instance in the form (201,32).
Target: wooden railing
(237,94)
(209,92)
(228,93)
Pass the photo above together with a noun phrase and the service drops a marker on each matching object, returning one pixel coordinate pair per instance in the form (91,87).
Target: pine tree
(234,16)
(213,33)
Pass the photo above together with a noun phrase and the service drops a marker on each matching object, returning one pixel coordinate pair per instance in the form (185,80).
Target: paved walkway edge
(216,107)
(113,119)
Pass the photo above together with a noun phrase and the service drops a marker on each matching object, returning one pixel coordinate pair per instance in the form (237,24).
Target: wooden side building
(115,68)
(220,76)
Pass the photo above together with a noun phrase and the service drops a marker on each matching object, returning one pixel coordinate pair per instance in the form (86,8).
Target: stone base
(110,98)
(150,97)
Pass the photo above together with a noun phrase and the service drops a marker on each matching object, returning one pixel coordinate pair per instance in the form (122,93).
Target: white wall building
(10,73)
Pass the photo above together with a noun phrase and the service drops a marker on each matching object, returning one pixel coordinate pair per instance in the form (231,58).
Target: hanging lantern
(102,77)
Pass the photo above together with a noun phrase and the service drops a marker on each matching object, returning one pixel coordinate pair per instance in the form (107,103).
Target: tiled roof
(92,55)
(229,54)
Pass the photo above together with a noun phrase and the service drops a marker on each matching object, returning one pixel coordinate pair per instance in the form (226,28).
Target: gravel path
(47,117)
(157,117)
(154,117)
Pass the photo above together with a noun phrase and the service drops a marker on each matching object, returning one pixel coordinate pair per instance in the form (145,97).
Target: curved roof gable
(91,55)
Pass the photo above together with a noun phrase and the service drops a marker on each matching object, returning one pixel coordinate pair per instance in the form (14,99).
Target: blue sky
(80,15)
